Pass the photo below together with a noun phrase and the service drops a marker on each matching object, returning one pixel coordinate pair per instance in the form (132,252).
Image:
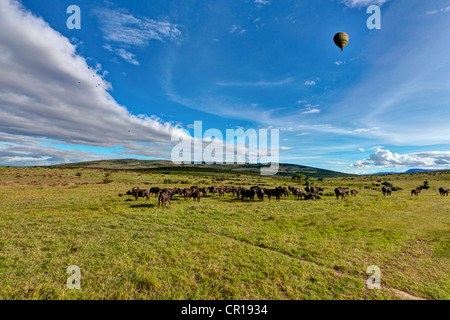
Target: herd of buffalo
(310,193)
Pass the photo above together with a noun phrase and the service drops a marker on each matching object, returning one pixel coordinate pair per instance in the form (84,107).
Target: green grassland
(219,248)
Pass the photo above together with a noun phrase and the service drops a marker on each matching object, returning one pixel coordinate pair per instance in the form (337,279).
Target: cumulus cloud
(386,158)
(48,91)
(310,83)
(311,109)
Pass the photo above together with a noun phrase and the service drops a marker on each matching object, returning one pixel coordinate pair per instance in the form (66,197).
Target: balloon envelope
(341,39)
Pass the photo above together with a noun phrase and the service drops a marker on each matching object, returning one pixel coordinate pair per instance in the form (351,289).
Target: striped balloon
(341,40)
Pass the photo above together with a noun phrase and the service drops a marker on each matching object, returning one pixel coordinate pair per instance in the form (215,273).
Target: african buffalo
(415,192)
(313,190)
(340,192)
(164,197)
(136,192)
(250,194)
(196,195)
(187,193)
(387,191)
(299,193)
(443,191)
(277,193)
(155,190)
(353,193)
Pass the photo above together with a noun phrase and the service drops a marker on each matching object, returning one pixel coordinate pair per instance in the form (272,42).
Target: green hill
(165,165)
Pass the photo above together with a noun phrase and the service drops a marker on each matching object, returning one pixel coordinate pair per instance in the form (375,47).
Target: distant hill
(410,171)
(164,165)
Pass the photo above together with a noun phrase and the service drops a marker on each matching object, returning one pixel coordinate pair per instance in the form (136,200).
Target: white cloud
(310,83)
(48,91)
(311,109)
(333,162)
(362,149)
(127,56)
(262,2)
(256,83)
(359,164)
(364,130)
(236,28)
(363,3)
(338,63)
(386,158)
(286,148)
(118,25)
(431,12)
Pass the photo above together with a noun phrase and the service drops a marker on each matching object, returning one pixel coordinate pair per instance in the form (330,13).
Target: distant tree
(426,186)
(298,177)
(307,182)
(321,179)
(387,184)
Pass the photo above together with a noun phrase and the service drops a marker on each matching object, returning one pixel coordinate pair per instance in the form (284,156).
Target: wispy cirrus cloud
(334,162)
(123,29)
(256,83)
(118,25)
(124,54)
(431,12)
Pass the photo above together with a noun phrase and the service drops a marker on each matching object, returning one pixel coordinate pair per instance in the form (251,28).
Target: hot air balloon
(341,40)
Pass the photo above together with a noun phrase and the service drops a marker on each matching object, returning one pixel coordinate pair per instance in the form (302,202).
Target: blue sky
(155,67)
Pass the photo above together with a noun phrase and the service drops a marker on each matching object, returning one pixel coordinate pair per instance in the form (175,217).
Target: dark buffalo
(250,194)
(164,197)
(155,191)
(259,192)
(340,192)
(313,190)
(196,195)
(299,193)
(311,196)
(415,192)
(137,193)
(387,191)
(187,193)
(277,193)
(443,191)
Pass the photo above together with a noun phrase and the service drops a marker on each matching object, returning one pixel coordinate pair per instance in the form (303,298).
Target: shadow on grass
(144,205)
